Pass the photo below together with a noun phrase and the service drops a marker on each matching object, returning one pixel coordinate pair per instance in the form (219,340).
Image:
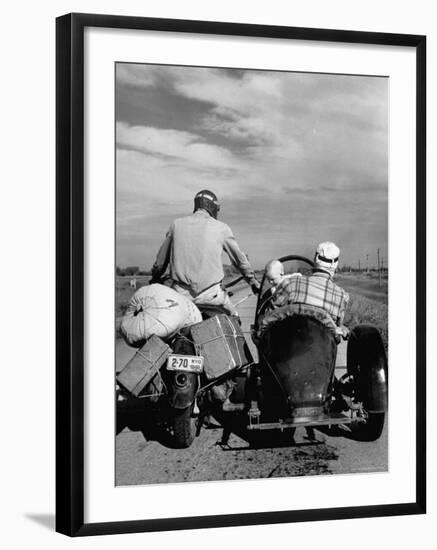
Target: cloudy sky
(295,158)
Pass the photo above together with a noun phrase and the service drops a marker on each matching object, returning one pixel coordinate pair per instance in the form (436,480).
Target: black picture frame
(70,273)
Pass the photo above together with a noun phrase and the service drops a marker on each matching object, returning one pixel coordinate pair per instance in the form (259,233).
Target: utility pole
(359,266)
(379,271)
(367,263)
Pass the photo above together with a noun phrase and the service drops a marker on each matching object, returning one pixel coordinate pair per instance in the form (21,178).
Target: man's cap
(327,253)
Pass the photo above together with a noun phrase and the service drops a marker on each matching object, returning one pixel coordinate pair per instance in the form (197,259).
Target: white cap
(327,255)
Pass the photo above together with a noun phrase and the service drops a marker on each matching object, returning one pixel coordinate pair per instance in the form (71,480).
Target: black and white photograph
(251,276)
(216,214)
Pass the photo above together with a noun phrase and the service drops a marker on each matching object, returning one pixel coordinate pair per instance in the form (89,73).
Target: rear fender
(367,363)
(183,389)
(182,386)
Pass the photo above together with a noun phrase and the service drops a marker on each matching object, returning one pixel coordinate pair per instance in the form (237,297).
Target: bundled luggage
(144,367)
(222,344)
(157,310)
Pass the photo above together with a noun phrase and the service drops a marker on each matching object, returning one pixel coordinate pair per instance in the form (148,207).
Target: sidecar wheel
(372,429)
(184,428)
(367,363)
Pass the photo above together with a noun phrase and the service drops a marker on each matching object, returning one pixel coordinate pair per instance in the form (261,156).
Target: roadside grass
(123,292)
(364,311)
(368,301)
(364,285)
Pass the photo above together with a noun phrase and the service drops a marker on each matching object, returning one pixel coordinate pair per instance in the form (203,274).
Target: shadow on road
(259,439)
(347,432)
(137,417)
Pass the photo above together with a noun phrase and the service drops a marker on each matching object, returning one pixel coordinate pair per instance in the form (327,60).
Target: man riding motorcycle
(193,248)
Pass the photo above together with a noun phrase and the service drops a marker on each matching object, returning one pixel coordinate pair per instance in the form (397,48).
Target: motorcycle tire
(184,428)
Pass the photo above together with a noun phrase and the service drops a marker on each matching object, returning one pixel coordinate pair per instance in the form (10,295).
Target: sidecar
(296,383)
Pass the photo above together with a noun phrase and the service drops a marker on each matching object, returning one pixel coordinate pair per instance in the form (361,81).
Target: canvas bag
(157,309)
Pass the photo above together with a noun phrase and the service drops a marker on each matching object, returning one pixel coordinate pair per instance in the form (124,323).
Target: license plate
(187,363)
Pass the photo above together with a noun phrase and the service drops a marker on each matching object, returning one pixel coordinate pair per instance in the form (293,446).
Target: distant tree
(119,271)
(131,270)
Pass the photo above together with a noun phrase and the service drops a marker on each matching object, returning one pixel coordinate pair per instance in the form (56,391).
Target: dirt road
(145,456)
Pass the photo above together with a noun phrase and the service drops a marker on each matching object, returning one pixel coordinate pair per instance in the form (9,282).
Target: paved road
(144,456)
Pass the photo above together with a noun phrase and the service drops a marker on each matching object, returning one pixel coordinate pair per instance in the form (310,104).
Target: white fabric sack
(157,309)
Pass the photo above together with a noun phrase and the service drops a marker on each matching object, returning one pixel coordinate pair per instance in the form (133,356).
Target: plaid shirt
(317,290)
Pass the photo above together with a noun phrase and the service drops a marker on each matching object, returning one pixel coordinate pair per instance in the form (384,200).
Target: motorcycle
(294,383)
(180,396)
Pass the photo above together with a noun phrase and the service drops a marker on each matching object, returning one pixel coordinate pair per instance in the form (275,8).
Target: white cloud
(133,75)
(314,147)
(242,108)
(153,140)
(183,147)
(148,185)
(275,115)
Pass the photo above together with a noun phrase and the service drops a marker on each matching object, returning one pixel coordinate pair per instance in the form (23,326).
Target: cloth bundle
(157,309)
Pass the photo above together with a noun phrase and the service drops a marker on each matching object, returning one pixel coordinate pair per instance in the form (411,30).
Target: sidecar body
(296,383)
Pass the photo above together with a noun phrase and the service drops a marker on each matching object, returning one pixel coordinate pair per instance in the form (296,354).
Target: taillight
(181,379)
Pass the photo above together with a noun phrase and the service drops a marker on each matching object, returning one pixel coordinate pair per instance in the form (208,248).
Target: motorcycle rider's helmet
(326,257)
(208,201)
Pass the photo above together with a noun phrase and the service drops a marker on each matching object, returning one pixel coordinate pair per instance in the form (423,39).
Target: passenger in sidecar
(317,289)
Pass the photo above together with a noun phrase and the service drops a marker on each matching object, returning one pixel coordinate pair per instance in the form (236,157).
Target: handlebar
(229,285)
(261,302)
(234,282)
(296,257)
